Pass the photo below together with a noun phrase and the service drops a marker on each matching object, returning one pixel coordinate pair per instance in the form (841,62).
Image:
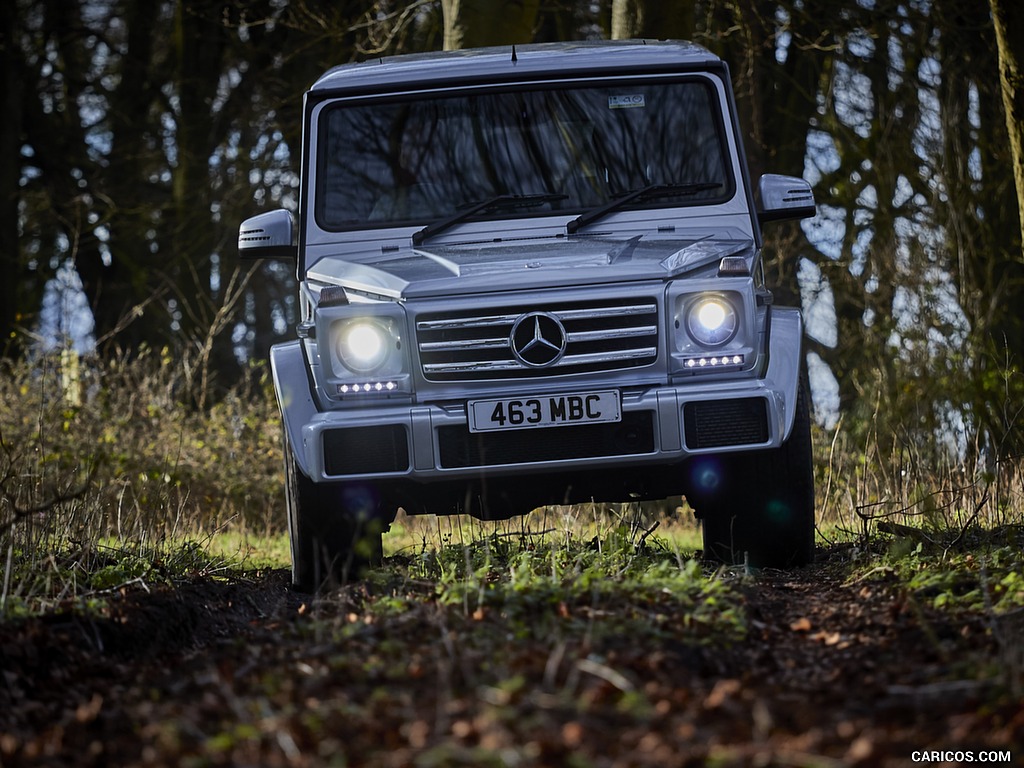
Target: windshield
(415,161)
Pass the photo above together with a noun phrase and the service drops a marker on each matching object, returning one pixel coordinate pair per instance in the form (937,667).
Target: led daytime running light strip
(368,387)
(713,362)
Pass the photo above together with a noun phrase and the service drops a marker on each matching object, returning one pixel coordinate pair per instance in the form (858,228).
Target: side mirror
(267,236)
(783,198)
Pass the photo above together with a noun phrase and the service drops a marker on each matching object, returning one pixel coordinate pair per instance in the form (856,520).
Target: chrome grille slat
(470,322)
(621,333)
(583,314)
(565,362)
(499,365)
(602,334)
(606,357)
(447,346)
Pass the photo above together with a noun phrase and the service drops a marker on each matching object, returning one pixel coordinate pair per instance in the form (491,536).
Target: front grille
(600,335)
(366,450)
(721,423)
(461,448)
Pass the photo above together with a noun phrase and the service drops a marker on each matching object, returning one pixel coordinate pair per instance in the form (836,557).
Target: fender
(294,397)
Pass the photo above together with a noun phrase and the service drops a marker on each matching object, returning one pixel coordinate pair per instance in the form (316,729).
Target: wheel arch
(294,397)
(785,364)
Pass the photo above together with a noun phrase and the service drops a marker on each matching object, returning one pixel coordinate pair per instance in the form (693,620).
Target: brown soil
(247,672)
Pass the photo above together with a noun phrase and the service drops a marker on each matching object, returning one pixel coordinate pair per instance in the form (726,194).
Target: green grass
(980,572)
(679,531)
(84,578)
(537,583)
(131,485)
(249,551)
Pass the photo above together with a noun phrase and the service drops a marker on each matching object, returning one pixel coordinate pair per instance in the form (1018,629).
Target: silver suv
(532,276)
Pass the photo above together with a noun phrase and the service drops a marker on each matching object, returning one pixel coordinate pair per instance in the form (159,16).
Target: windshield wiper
(500,201)
(650,191)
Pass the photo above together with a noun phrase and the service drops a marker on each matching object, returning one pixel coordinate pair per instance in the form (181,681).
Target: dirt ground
(830,671)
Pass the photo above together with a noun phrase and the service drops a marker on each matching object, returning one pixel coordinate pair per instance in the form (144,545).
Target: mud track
(246,672)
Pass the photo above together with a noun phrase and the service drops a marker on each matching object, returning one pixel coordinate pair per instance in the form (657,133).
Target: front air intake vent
(724,423)
(366,450)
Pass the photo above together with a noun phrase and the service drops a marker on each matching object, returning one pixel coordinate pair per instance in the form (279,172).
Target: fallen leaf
(861,749)
(723,690)
(828,638)
(88,711)
(572,734)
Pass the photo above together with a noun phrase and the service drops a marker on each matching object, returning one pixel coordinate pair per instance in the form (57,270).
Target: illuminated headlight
(367,345)
(715,327)
(359,352)
(364,346)
(712,321)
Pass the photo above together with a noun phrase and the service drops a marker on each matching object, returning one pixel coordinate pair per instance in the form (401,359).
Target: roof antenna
(514,57)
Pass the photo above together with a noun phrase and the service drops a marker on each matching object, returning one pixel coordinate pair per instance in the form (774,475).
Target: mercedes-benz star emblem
(538,339)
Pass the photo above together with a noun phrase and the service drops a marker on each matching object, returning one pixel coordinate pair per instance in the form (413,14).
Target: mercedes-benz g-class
(532,276)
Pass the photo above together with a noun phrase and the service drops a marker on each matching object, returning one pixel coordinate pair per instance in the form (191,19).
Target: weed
(99,492)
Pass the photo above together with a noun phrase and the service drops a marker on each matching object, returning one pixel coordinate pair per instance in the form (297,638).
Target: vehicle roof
(514,62)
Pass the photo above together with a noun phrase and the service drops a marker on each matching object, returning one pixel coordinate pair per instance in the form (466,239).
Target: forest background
(144,611)
(138,135)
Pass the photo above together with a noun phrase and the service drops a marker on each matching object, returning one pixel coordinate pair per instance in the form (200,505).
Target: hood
(464,268)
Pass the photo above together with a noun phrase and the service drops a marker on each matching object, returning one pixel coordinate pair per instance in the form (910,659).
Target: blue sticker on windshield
(626,102)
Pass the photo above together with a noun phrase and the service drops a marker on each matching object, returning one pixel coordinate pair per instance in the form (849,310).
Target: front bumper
(429,443)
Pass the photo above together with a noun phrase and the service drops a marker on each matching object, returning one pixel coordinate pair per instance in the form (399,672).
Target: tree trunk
(776,102)
(657,19)
(477,23)
(11,92)
(985,252)
(1008,16)
(118,287)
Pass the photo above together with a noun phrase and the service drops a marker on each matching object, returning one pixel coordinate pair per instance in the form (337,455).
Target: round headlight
(712,321)
(364,345)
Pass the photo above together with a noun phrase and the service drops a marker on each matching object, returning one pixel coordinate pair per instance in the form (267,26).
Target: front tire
(335,529)
(762,510)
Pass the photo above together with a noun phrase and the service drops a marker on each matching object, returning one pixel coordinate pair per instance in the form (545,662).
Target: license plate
(544,411)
